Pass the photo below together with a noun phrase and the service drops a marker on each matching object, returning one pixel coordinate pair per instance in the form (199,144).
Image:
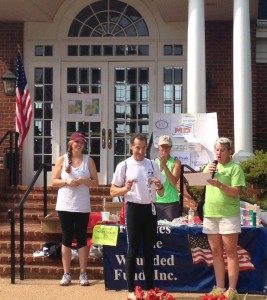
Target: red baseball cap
(77,136)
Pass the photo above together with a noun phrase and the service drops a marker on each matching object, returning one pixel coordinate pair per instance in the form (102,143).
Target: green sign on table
(105,235)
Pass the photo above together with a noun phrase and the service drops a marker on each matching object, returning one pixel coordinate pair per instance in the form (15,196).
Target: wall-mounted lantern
(9,81)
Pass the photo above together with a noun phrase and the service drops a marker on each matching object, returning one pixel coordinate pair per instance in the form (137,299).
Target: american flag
(201,252)
(23,102)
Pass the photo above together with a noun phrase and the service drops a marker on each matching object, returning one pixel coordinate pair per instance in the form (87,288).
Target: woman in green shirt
(222,216)
(168,206)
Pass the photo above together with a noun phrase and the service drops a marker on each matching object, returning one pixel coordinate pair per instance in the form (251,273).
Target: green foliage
(255,169)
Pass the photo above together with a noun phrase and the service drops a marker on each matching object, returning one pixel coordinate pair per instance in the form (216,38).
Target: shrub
(255,169)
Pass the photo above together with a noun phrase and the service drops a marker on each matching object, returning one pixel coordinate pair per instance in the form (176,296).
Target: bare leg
(216,245)
(66,258)
(83,257)
(230,245)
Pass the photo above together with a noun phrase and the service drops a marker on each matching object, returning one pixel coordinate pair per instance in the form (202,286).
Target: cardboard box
(113,207)
(50,224)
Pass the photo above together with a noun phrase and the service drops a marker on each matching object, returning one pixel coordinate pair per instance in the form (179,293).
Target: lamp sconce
(9,82)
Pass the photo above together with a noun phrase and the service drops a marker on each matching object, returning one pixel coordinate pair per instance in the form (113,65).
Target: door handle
(109,139)
(103,138)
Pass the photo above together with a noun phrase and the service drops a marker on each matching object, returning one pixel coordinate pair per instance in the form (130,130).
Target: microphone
(213,173)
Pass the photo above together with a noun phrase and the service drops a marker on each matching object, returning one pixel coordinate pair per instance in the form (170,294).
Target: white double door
(116,100)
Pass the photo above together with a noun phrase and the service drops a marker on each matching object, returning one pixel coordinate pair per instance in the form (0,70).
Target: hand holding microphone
(215,163)
(213,167)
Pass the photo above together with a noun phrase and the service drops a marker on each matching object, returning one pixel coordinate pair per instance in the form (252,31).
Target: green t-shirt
(217,203)
(170,192)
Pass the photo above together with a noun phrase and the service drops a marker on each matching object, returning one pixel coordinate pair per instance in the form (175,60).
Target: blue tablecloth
(183,261)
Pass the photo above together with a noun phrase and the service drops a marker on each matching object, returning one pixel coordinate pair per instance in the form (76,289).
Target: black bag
(52,250)
(200,205)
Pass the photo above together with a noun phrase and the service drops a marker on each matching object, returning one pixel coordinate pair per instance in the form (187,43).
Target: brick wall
(219,68)
(261,121)
(11,34)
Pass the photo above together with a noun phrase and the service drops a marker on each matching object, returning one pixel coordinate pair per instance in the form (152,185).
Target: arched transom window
(108,18)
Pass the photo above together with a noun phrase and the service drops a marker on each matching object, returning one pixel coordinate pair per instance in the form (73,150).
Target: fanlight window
(108,18)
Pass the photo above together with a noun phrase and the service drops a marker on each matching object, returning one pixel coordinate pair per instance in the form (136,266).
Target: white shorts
(222,225)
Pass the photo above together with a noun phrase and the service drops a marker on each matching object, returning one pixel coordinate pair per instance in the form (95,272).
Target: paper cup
(105,215)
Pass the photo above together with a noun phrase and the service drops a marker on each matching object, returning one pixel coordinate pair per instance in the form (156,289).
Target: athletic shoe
(83,279)
(131,296)
(231,294)
(66,279)
(96,251)
(216,292)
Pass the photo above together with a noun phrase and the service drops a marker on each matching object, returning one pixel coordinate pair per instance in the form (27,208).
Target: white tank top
(74,199)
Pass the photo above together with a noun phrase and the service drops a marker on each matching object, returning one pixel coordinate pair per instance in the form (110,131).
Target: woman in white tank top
(73,174)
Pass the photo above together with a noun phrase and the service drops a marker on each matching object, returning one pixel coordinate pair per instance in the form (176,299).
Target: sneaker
(66,279)
(231,294)
(83,280)
(131,296)
(216,292)
(96,251)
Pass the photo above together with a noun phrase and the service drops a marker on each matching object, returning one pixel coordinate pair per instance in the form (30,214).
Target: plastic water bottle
(191,217)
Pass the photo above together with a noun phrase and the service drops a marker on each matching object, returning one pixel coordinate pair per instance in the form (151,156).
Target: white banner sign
(193,136)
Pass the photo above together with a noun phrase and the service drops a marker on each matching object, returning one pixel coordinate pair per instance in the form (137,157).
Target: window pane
(37,162)
(38,75)
(119,111)
(96,75)
(119,146)
(38,110)
(48,51)
(48,93)
(120,50)
(168,92)
(38,93)
(47,128)
(167,75)
(143,76)
(72,75)
(143,93)
(48,76)
(48,111)
(38,146)
(98,19)
(72,50)
(143,50)
(84,75)
(178,75)
(131,49)
(131,75)
(38,128)
(167,50)
(96,50)
(39,50)
(108,50)
(178,50)
(47,146)
(84,50)
(119,76)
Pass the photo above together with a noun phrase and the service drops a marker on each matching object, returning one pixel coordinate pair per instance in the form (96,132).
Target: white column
(242,80)
(196,63)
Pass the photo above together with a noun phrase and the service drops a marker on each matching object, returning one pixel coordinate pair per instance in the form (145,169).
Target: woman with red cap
(73,174)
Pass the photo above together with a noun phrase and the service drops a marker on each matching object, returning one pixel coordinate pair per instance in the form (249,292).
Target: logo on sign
(183,130)
(161,124)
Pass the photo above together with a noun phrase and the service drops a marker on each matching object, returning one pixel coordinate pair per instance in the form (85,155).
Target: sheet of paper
(197,178)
